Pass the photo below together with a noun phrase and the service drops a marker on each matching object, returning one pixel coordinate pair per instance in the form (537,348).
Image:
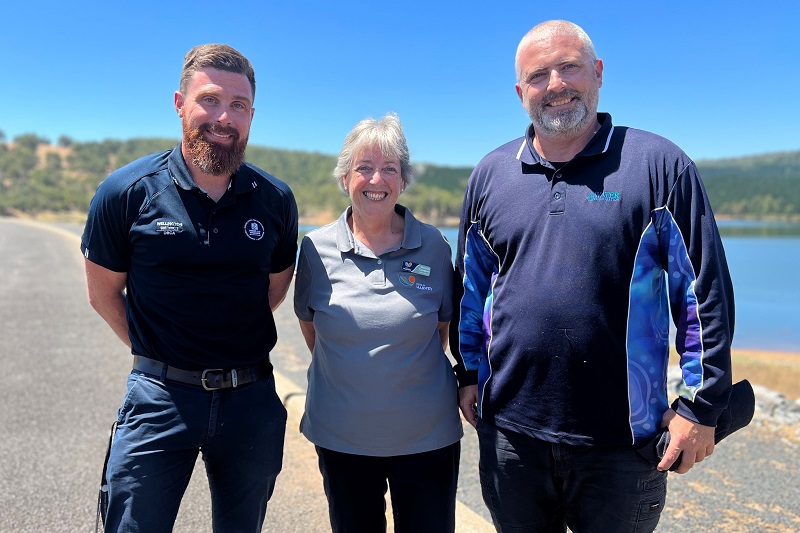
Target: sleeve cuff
(699,414)
(465,377)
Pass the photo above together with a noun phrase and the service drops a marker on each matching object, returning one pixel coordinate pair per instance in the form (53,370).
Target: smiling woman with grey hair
(387,134)
(373,296)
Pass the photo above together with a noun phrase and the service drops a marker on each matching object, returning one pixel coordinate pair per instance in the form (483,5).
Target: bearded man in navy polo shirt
(188,252)
(577,242)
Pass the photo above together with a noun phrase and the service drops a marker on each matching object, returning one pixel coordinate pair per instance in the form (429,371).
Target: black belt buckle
(204,378)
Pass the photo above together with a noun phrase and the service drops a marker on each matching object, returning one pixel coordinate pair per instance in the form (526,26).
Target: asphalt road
(63,376)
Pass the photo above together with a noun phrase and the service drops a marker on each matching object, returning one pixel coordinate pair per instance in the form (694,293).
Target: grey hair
(386,134)
(549,29)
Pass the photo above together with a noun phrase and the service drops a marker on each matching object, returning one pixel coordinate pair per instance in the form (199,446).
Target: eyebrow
(389,159)
(216,93)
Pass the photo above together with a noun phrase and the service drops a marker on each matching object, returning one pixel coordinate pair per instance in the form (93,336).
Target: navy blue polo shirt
(197,270)
(571,273)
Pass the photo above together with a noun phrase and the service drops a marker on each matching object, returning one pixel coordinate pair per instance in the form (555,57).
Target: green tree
(30,140)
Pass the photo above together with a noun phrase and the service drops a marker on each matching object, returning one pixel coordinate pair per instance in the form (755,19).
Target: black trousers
(422,488)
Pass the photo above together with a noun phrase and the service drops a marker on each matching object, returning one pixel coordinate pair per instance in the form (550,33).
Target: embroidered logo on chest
(604,197)
(411,281)
(254,230)
(416,268)
(169,227)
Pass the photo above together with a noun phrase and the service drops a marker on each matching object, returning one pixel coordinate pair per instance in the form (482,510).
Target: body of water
(767,291)
(764,260)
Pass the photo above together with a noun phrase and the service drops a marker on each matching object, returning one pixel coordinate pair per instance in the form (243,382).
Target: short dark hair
(218,56)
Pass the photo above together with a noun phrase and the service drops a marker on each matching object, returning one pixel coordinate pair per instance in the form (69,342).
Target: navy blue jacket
(570,277)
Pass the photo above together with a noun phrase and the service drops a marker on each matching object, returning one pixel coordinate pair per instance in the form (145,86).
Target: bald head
(548,30)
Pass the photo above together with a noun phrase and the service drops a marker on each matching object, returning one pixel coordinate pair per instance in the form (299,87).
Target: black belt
(210,378)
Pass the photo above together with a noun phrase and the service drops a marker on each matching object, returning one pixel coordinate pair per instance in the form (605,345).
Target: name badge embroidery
(169,227)
(416,268)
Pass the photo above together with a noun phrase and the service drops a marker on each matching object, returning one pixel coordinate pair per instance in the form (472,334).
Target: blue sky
(721,79)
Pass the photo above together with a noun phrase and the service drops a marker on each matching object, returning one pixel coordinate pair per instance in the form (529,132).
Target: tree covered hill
(763,186)
(37,177)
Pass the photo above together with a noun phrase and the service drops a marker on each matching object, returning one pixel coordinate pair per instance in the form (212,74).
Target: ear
(179,103)
(519,91)
(598,70)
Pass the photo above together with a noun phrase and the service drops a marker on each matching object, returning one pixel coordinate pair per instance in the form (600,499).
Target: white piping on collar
(605,148)
(521,148)
(608,139)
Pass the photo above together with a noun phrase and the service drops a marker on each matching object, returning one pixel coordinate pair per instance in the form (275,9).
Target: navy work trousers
(163,425)
(422,488)
(530,485)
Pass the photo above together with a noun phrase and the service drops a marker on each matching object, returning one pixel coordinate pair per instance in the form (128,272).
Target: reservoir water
(764,260)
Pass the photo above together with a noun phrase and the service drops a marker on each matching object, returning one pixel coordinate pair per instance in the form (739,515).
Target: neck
(380,234)
(214,186)
(562,147)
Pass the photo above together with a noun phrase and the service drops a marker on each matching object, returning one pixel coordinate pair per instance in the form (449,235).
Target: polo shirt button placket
(558,197)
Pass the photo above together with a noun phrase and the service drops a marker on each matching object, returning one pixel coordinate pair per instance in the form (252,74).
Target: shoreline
(772,354)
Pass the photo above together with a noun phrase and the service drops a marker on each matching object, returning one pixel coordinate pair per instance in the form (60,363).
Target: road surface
(63,376)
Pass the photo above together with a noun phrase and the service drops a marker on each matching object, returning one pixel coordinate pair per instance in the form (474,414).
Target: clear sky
(719,78)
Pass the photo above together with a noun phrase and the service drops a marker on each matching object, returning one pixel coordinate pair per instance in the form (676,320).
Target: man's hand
(694,441)
(468,402)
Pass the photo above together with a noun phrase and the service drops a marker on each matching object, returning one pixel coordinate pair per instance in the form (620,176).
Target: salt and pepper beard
(567,122)
(210,157)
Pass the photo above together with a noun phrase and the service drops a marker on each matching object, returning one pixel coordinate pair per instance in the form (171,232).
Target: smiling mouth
(375,195)
(559,102)
(218,137)
(221,134)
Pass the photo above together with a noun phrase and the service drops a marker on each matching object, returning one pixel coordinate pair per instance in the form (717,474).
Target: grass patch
(775,370)
(778,371)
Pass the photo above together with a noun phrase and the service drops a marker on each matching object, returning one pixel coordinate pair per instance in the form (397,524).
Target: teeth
(375,195)
(560,102)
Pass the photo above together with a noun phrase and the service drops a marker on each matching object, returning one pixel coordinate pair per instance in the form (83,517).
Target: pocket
(127,401)
(653,500)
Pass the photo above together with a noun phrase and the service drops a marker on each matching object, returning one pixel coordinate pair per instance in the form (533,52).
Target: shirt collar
(412,233)
(183,178)
(597,145)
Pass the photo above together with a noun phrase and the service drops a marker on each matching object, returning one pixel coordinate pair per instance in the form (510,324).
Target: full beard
(210,157)
(567,122)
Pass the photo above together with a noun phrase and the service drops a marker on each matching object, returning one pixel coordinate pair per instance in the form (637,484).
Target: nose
(556,83)
(224,118)
(376,176)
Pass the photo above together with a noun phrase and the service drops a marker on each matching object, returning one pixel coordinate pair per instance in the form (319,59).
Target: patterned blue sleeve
(479,274)
(701,300)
